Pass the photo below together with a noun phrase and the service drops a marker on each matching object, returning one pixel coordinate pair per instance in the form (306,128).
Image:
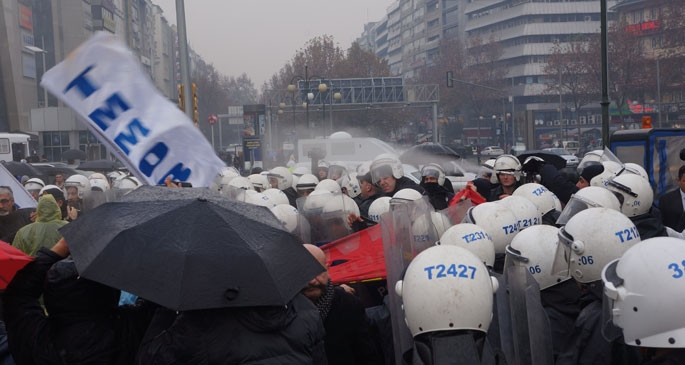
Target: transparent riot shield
(407,230)
(94,198)
(531,333)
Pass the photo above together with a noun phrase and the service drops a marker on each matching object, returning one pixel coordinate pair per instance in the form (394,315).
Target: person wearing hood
(44,232)
(433,181)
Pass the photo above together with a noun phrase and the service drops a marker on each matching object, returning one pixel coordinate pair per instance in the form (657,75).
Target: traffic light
(196,113)
(181,100)
(450,79)
(646,122)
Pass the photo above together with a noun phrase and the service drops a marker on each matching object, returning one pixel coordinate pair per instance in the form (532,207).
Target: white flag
(104,83)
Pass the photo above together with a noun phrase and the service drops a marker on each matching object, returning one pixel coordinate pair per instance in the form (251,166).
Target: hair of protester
(7,190)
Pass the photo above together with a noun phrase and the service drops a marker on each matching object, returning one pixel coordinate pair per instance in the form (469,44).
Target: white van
(342,148)
(14,146)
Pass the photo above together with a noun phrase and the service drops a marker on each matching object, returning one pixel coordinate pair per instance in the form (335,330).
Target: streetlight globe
(481,117)
(337,96)
(322,88)
(494,117)
(292,88)
(304,105)
(281,105)
(310,96)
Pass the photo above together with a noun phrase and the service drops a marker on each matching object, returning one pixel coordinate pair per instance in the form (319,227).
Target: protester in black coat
(291,334)
(671,204)
(85,324)
(348,339)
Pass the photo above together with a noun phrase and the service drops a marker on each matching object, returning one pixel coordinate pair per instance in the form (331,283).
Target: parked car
(571,159)
(492,151)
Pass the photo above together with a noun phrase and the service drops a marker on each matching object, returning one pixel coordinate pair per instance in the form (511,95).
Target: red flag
(11,261)
(356,257)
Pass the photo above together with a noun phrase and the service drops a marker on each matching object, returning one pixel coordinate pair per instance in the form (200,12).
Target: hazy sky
(259,36)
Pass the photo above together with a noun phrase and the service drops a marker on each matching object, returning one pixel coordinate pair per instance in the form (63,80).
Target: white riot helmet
(301,170)
(253,197)
(287,215)
(405,195)
(434,170)
(329,185)
(378,207)
(48,187)
(313,204)
(590,158)
(259,182)
(282,175)
(506,164)
(497,220)
(336,172)
(635,169)
(446,269)
(306,182)
(611,169)
(526,211)
(240,182)
(588,197)
(535,249)
(385,165)
(112,176)
(34,184)
(364,168)
(98,182)
(472,238)
(545,200)
(80,182)
(99,185)
(590,240)
(350,183)
(644,291)
(127,183)
(276,196)
(636,193)
(334,216)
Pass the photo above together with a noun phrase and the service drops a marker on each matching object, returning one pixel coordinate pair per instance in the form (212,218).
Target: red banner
(356,257)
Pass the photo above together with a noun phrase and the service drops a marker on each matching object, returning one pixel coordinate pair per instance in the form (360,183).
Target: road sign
(212,119)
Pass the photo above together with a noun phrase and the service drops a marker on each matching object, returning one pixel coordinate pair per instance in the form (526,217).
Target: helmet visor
(607,155)
(380,172)
(562,257)
(611,282)
(514,257)
(575,205)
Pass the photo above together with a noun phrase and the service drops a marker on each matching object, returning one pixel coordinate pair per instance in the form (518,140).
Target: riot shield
(407,230)
(94,198)
(531,333)
(457,212)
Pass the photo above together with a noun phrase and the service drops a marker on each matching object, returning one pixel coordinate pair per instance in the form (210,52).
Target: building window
(54,143)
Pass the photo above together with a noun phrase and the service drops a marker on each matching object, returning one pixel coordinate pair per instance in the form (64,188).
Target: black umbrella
(21,169)
(100,165)
(422,154)
(74,155)
(549,157)
(190,248)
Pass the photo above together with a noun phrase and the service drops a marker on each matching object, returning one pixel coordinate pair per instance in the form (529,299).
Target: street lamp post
(309,96)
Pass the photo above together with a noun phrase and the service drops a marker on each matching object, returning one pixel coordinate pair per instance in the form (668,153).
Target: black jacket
(10,224)
(348,339)
(586,345)
(85,324)
(557,183)
(438,195)
(671,206)
(649,226)
(405,183)
(257,335)
(366,203)
(292,196)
